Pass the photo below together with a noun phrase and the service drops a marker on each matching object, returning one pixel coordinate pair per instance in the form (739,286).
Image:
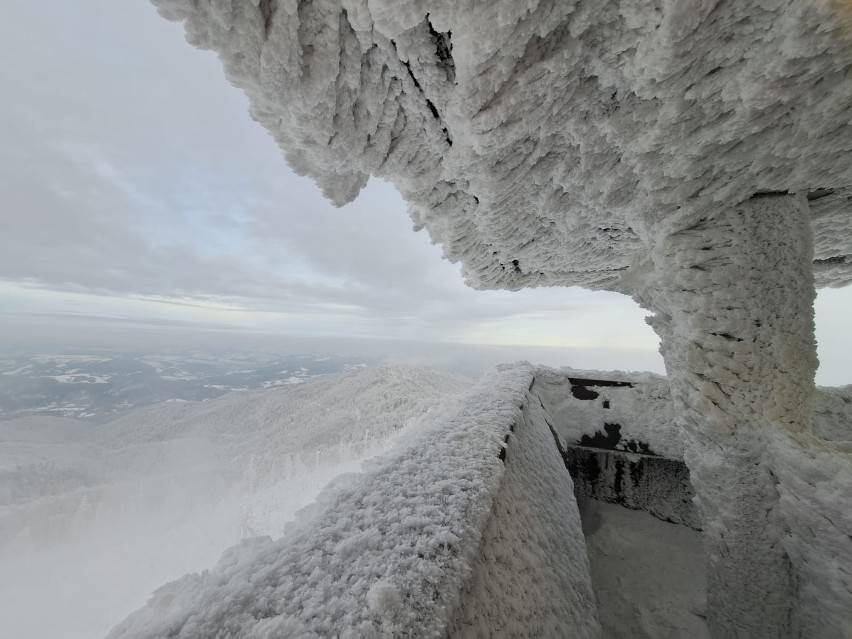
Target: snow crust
(550,142)
(644,410)
(386,553)
(531,574)
(814,483)
(648,575)
(833,416)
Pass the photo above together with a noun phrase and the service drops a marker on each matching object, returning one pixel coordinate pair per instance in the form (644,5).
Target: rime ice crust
(386,553)
(530,575)
(607,145)
(491,530)
(734,295)
(535,141)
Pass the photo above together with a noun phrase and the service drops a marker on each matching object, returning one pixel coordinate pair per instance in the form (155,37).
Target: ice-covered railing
(453,534)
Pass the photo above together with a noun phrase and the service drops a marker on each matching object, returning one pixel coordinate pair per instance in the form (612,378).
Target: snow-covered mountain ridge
(348,410)
(162,490)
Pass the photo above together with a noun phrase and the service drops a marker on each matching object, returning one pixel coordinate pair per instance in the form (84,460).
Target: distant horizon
(82,333)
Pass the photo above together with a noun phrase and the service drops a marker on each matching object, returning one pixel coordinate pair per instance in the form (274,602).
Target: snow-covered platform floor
(648,575)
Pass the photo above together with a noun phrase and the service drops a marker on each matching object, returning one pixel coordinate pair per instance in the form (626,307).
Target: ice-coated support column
(733,295)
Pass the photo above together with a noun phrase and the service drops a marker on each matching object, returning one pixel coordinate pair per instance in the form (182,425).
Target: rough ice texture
(387,553)
(810,480)
(541,142)
(643,410)
(531,575)
(658,486)
(814,482)
(833,416)
(734,300)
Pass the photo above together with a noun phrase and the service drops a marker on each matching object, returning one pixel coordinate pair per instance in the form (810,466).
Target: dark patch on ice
(582,467)
(637,469)
(608,439)
(503,449)
(581,392)
(818,193)
(431,105)
(576,381)
(635,446)
(728,337)
(761,194)
(267,10)
(618,483)
(837,259)
(443,50)
(611,439)
(606,403)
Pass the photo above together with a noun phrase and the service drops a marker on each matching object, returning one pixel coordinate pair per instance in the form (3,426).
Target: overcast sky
(135,187)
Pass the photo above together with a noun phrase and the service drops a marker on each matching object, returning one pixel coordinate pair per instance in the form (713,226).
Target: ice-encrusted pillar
(733,296)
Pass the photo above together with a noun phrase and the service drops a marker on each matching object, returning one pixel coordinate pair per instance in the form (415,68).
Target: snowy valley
(97,385)
(95,516)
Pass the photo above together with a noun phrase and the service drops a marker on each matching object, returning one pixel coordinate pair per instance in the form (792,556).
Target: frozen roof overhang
(542,142)
(627,145)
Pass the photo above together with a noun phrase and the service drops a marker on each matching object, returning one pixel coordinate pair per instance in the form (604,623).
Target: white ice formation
(470,529)
(548,142)
(428,542)
(694,154)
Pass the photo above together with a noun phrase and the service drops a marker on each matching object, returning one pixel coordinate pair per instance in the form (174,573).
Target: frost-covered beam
(733,295)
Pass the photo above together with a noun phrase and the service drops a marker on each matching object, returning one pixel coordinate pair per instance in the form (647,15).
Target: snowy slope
(266,429)
(374,397)
(94,517)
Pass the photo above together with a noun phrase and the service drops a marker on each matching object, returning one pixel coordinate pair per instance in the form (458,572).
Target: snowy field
(94,517)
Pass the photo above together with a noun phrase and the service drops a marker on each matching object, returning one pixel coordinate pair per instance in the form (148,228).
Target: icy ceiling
(551,142)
